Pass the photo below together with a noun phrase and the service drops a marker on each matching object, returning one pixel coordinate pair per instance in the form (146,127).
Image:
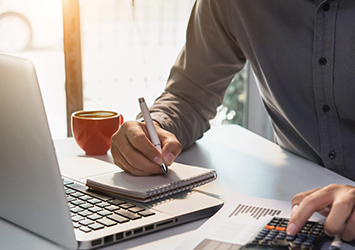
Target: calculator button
(280,243)
(274,236)
(269,227)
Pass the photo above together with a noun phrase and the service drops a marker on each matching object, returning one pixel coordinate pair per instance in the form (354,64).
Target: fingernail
(291,229)
(294,208)
(158,160)
(169,158)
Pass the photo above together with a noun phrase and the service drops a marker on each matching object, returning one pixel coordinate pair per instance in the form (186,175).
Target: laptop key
(86,222)
(136,209)
(76,194)
(77,202)
(95,209)
(117,202)
(94,217)
(71,205)
(69,191)
(103,204)
(146,213)
(86,205)
(104,213)
(127,205)
(112,208)
(85,229)
(69,198)
(77,218)
(94,201)
(107,222)
(85,197)
(67,182)
(96,226)
(128,214)
(76,225)
(85,213)
(86,190)
(76,209)
(118,218)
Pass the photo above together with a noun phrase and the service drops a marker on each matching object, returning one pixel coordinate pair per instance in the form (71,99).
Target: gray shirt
(302,52)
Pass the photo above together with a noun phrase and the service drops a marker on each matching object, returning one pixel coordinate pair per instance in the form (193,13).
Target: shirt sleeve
(201,74)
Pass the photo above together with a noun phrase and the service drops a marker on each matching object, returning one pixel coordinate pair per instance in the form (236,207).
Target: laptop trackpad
(186,203)
(80,168)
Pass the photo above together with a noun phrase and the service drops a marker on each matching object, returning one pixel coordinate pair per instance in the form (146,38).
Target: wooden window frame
(72,59)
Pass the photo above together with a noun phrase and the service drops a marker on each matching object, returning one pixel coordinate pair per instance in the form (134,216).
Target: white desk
(246,164)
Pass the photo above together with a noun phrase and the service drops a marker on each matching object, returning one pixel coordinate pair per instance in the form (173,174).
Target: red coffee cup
(92,130)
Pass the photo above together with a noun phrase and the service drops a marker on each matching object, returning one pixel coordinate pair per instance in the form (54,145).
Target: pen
(151,129)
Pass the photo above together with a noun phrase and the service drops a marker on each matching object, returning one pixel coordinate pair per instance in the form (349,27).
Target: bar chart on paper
(254,211)
(236,223)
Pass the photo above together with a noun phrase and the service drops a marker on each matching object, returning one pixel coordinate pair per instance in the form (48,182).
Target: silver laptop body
(31,186)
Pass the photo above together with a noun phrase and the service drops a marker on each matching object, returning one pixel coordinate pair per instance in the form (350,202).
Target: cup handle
(121,120)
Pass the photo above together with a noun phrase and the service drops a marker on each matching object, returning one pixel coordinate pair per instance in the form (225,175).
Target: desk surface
(246,164)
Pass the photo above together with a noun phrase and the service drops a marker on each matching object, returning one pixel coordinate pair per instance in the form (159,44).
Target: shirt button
(326,7)
(332,154)
(322,61)
(325,108)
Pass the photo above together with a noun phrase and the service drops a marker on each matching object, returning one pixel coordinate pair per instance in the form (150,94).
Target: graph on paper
(254,211)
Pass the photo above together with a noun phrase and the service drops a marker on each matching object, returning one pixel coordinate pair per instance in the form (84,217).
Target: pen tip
(141,100)
(165,169)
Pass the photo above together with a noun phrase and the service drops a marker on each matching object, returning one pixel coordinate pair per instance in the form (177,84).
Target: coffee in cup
(92,130)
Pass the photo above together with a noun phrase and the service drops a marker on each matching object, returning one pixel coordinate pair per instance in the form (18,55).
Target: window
(127,50)
(34,29)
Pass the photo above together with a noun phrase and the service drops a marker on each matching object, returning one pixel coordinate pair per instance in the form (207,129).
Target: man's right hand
(133,151)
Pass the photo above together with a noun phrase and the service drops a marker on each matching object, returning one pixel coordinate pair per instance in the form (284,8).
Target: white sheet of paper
(238,221)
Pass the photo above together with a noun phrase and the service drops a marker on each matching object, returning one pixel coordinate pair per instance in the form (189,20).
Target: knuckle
(138,138)
(310,200)
(332,187)
(343,205)
(351,191)
(297,198)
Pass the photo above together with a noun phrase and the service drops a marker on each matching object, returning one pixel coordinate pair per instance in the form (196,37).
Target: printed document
(239,220)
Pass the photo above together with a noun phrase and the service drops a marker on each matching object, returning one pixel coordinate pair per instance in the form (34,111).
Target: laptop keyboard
(93,211)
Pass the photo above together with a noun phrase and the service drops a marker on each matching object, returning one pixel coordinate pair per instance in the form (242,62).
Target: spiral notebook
(179,178)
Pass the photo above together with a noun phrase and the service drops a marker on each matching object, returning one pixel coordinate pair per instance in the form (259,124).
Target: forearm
(201,74)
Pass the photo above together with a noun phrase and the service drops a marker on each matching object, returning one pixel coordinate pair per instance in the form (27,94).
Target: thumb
(171,147)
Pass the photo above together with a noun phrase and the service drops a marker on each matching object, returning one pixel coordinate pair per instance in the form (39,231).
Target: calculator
(273,236)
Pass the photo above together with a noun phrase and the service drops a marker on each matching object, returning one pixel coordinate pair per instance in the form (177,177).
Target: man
(303,54)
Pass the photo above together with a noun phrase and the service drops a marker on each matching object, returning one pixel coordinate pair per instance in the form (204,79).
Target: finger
(307,205)
(341,210)
(139,139)
(296,200)
(171,147)
(348,233)
(299,197)
(122,162)
(138,163)
(126,156)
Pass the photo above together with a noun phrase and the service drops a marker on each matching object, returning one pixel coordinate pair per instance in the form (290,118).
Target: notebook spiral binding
(180,186)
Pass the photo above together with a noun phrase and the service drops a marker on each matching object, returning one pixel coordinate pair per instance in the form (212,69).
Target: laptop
(36,197)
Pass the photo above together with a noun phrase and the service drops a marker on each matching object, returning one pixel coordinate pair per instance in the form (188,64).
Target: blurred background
(127,50)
